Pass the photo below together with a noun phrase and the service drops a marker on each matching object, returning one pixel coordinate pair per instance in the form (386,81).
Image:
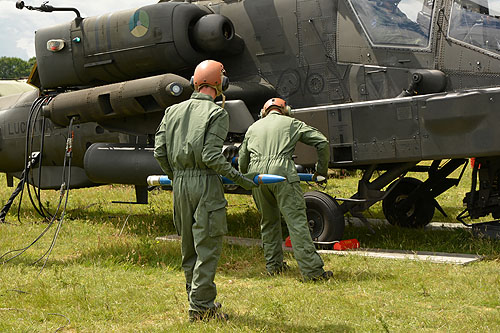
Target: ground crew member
(267,148)
(188,147)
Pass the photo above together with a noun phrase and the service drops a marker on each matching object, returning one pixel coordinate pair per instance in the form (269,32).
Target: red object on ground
(473,161)
(346,244)
(288,242)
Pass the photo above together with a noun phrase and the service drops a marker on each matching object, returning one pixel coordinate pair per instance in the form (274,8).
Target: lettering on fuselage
(20,128)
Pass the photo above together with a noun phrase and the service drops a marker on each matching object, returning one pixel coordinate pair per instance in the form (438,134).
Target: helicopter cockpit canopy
(395,23)
(477,23)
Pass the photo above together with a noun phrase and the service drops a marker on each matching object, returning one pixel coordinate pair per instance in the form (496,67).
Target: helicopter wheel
(417,216)
(326,221)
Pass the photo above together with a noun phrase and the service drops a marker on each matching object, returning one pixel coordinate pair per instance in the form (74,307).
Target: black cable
(61,315)
(58,229)
(22,250)
(51,222)
(17,190)
(64,181)
(29,161)
(67,160)
(42,142)
(31,132)
(44,210)
(67,157)
(26,158)
(38,102)
(34,105)
(31,129)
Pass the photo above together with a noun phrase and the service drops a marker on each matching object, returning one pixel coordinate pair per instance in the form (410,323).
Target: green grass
(107,273)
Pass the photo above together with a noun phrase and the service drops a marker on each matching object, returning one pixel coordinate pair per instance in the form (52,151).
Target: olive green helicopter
(389,83)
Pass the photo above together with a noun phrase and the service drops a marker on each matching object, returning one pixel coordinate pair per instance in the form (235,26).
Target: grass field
(107,273)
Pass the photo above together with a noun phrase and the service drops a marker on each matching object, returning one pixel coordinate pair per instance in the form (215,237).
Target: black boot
(280,270)
(209,314)
(325,276)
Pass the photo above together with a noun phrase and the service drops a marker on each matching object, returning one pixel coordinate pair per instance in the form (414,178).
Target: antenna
(45,7)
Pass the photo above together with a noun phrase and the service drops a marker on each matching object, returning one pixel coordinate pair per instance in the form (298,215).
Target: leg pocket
(217,222)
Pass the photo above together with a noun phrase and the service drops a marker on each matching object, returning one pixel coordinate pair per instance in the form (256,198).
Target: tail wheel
(418,215)
(325,218)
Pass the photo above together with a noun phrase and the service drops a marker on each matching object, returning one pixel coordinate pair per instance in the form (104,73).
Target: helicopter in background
(389,83)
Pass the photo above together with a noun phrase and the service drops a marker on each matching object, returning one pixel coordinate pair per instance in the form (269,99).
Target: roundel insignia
(139,23)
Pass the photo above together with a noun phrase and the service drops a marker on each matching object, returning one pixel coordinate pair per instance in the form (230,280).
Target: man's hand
(320,179)
(251,175)
(246,181)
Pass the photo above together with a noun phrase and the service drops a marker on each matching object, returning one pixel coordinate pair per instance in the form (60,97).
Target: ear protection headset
(210,73)
(275,104)
(225,83)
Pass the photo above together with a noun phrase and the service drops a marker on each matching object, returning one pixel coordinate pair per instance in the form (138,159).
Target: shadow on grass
(446,240)
(142,253)
(141,249)
(27,214)
(248,262)
(137,223)
(245,223)
(349,276)
(338,276)
(141,224)
(262,325)
(146,253)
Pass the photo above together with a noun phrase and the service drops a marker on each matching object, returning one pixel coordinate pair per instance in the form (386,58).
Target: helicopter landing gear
(326,220)
(416,214)
(411,203)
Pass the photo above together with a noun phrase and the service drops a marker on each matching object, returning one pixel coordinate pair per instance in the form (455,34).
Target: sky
(17,27)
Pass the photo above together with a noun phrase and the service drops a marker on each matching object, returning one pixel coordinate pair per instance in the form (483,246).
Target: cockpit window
(476,22)
(400,23)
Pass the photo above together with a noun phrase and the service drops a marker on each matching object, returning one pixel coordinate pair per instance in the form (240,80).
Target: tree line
(15,68)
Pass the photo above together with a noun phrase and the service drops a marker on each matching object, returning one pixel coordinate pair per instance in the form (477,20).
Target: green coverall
(267,148)
(188,147)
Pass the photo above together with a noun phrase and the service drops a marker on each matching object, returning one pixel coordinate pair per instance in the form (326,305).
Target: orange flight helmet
(276,104)
(210,73)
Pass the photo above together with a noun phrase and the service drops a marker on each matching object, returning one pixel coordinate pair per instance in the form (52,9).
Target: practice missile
(309,177)
(304,177)
(259,179)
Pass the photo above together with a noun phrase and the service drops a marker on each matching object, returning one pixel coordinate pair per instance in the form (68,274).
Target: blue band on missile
(306,177)
(226,181)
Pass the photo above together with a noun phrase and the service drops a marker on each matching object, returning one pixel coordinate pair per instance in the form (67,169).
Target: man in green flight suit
(267,148)
(188,147)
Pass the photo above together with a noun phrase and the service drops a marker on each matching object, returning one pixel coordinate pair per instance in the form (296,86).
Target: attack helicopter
(389,83)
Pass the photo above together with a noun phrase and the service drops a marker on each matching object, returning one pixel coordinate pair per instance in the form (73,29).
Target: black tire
(419,214)
(326,221)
